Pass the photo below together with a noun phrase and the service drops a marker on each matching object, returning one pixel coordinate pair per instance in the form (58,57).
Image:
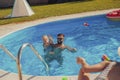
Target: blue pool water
(102,36)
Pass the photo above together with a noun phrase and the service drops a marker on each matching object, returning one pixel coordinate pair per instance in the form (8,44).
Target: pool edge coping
(13,27)
(6,76)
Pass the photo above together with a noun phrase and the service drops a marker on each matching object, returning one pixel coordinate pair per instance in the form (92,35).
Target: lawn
(43,11)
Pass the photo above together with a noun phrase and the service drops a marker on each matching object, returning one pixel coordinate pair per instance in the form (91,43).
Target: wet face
(45,39)
(60,39)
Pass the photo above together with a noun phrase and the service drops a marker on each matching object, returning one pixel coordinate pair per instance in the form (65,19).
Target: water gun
(105,58)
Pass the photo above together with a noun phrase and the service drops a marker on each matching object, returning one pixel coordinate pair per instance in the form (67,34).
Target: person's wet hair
(60,34)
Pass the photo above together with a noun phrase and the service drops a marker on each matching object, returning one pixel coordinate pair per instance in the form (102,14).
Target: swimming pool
(100,37)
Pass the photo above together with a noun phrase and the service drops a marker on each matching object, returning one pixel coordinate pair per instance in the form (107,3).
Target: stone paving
(13,76)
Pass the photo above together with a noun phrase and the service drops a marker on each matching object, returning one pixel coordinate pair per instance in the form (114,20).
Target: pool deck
(10,28)
(12,76)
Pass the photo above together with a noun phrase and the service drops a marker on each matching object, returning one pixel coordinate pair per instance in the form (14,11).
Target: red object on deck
(113,14)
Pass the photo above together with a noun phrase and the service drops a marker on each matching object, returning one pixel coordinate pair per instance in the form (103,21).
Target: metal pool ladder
(19,57)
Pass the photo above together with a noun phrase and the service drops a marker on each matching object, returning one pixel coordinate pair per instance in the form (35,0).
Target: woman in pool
(114,73)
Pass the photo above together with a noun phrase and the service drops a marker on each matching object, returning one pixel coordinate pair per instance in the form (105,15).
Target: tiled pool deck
(9,28)
(12,76)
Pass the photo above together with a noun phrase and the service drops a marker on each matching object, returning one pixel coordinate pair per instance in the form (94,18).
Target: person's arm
(71,49)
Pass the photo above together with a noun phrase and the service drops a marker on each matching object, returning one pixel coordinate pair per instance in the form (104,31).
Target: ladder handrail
(7,52)
(19,58)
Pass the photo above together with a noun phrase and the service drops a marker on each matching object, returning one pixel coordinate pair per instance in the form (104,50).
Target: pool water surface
(100,37)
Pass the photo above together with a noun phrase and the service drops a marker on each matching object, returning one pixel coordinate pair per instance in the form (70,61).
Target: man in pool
(53,51)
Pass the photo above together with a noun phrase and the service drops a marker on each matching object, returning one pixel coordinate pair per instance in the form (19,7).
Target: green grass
(61,9)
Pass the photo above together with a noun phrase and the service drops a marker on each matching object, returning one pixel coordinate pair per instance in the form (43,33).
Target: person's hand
(74,50)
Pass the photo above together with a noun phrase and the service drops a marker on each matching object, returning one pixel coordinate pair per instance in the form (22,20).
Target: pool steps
(17,59)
